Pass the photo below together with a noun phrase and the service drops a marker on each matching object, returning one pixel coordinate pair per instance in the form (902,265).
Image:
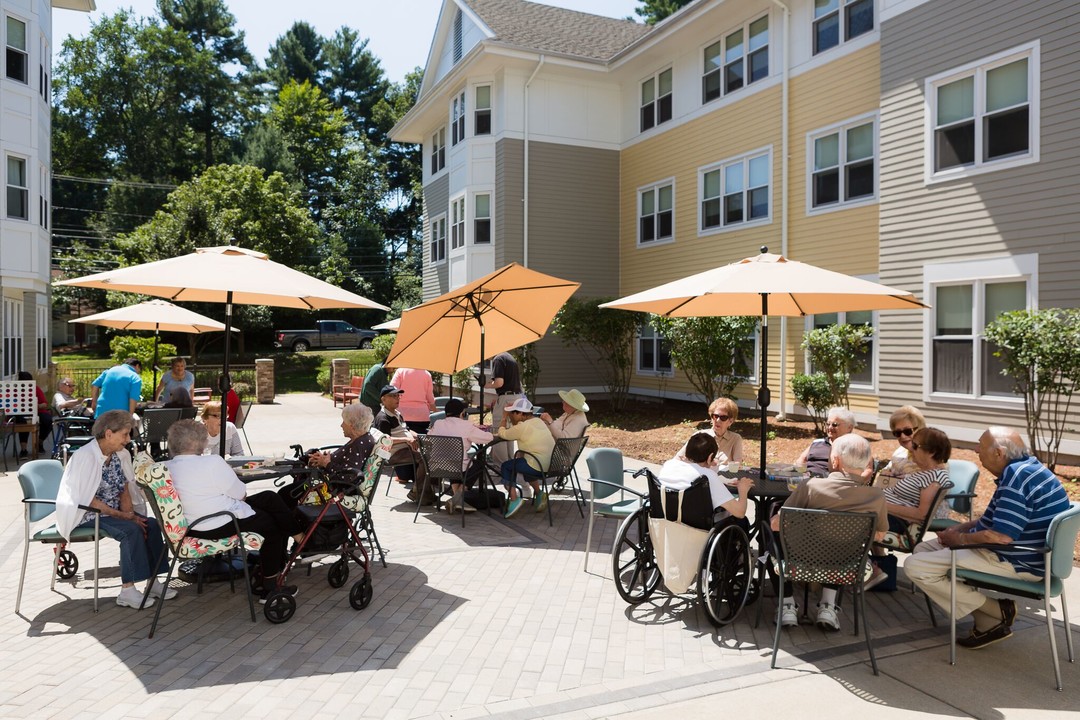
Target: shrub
(529,365)
(712,351)
(605,337)
(838,352)
(815,394)
(323,380)
(124,346)
(463,382)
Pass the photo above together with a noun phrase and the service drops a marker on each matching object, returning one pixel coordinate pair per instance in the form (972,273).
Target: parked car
(327,334)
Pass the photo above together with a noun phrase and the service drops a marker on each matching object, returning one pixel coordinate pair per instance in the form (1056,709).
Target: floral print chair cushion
(156,482)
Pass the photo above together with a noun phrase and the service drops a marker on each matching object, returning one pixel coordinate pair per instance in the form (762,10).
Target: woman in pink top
(418,402)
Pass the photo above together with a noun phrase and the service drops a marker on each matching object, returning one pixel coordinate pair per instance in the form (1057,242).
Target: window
(42,337)
(18,189)
(482,219)
(654,356)
(438,239)
(482,114)
(457,119)
(656,100)
(865,377)
(43,72)
(458,46)
(853,17)
(655,220)
(735,192)
(12,336)
(844,165)
(965,298)
(985,115)
(43,200)
(457,223)
(17,59)
(438,151)
(736,62)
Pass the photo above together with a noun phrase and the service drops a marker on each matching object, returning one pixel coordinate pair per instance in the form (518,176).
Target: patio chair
(40,482)
(70,433)
(906,542)
(346,394)
(155,428)
(156,483)
(441,455)
(241,421)
(963,474)
(201,395)
(1058,556)
(608,477)
(563,458)
(828,548)
(440,402)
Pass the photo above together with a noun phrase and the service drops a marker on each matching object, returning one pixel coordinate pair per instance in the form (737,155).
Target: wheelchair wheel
(66,565)
(632,561)
(726,574)
(279,607)
(360,594)
(338,573)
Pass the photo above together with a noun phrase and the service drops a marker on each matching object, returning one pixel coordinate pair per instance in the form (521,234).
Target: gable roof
(556,30)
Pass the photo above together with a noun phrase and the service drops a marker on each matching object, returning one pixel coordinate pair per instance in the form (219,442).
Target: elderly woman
(211,417)
(904,423)
(840,421)
(723,412)
(177,377)
(572,423)
(344,461)
(909,499)
(207,485)
(99,476)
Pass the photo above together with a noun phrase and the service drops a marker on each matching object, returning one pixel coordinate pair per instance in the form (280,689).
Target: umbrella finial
(764,249)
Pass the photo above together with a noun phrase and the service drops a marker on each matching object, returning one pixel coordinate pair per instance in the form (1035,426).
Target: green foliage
(838,352)
(463,383)
(242,389)
(815,394)
(653,11)
(124,346)
(323,379)
(529,365)
(381,346)
(606,339)
(712,351)
(1040,351)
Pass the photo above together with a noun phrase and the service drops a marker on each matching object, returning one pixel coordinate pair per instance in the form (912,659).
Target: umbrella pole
(225,385)
(482,380)
(763,388)
(156,336)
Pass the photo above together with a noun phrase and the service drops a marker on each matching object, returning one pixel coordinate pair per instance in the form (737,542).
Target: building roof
(557,30)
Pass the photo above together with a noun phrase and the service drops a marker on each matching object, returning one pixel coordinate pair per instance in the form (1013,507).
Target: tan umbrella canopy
(508,308)
(388,325)
(156,315)
(227,275)
(766,284)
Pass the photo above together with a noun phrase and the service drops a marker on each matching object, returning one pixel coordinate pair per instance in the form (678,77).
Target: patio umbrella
(391,325)
(510,307)
(766,284)
(229,275)
(156,315)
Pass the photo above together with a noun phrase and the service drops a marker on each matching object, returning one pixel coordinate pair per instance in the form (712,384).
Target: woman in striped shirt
(909,499)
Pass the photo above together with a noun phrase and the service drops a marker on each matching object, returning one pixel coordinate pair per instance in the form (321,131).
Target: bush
(815,394)
(463,382)
(242,389)
(605,337)
(381,345)
(529,365)
(712,351)
(323,380)
(837,352)
(124,346)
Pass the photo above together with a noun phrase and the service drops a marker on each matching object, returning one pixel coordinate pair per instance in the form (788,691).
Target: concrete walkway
(494,620)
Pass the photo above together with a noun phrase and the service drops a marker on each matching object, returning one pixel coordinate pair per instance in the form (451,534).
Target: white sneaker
(827,617)
(789,615)
(158,589)
(132,598)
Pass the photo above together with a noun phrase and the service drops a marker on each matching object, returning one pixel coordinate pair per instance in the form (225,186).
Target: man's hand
(745,484)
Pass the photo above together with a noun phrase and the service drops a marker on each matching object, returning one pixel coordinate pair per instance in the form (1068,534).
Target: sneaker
(158,589)
(540,502)
(513,507)
(132,598)
(826,617)
(977,639)
(287,589)
(1008,611)
(789,615)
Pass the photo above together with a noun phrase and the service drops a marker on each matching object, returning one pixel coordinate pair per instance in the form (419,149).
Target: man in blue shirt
(118,388)
(1027,498)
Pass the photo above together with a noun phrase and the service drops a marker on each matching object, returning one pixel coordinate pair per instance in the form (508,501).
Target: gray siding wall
(1030,209)
(436,202)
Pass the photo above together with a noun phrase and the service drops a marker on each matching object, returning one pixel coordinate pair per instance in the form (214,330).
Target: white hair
(358,415)
(853,451)
(1005,439)
(842,414)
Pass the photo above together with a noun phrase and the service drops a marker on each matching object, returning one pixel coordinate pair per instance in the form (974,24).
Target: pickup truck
(327,334)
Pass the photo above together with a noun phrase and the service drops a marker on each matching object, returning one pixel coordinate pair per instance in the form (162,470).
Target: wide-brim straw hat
(574,399)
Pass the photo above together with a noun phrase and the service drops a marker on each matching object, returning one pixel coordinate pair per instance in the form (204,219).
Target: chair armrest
(1043,549)
(39,501)
(619,487)
(968,495)
(220,513)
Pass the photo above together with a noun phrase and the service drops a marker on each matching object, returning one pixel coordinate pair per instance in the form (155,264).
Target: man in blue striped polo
(1027,498)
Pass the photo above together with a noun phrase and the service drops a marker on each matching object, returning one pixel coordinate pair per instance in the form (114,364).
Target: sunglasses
(832,424)
(906,432)
(720,418)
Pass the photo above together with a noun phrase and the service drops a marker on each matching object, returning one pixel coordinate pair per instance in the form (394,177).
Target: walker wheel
(338,573)
(66,565)
(280,606)
(360,594)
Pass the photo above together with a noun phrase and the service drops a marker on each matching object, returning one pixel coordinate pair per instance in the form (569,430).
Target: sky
(400,31)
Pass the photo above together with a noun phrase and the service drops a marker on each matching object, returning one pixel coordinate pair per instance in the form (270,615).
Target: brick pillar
(339,372)
(264,381)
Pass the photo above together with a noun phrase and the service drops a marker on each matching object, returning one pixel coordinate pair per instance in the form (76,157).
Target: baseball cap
(520,405)
(390,390)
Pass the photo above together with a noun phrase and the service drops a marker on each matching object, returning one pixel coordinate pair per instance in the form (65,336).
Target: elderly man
(207,485)
(67,403)
(453,425)
(840,421)
(843,490)
(1027,498)
(405,448)
(533,438)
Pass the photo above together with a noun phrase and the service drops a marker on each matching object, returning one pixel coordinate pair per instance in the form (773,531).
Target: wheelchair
(725,579)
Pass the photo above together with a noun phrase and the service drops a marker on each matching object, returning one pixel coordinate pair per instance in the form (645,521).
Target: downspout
(782,415)
(525,184)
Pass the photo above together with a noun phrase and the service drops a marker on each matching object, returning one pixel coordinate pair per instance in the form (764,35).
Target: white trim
(459,197)
(669,67)
(842,40)
(655,186)
(873,117)
(767,152)
(657,336)
(431,235)
(470,214)
(721,38)
(856,387)
(978,69)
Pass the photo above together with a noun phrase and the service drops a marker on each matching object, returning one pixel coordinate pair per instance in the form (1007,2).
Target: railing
(359,368)
(205,376)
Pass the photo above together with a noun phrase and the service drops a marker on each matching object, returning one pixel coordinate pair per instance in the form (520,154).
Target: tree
(838,352)
(1040,352)
(710,350)
(296,56)
(653,11)
(813,393)
(355,82)
(606,339)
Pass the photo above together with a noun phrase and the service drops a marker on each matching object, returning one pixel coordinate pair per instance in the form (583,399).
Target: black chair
(155,427)
(70,433)
(829,548)
(561,469)
(441,455)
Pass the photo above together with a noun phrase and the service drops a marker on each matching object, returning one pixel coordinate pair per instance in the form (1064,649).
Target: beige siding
(436,202)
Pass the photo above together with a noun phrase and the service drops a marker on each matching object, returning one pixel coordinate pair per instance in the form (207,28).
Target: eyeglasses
(832,424)
(720,418)
(906,432)
(213,414)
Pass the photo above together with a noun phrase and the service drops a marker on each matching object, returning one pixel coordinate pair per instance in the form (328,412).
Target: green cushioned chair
(40,482)
(963,474)
(1058,554)
(607,477)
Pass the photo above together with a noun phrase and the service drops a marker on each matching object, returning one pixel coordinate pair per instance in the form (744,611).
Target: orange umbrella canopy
(510,307)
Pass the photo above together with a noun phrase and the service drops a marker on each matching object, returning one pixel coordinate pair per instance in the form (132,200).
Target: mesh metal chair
(441,455)
(156,424)
(241,421)
(561,469)
(828,548)
(70,433)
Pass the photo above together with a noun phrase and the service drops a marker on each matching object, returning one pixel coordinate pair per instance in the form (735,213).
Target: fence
(205,376)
